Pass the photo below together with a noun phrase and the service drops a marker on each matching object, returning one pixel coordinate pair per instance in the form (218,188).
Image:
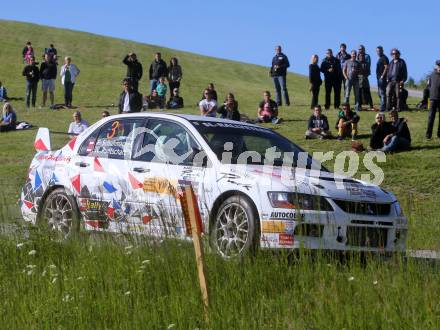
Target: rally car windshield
(246,144)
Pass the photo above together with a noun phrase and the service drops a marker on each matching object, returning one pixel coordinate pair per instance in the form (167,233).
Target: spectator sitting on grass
(318,127)
(9,118)
(268,110)
(210,88)
(3,93)
(229,109)
(151,101)
(161,89)
(78,125)
(400,139)
(208,106)
(379,132)
(347,123)
(175,101)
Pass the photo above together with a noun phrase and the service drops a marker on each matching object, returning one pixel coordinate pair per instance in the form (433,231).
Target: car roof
(186,117)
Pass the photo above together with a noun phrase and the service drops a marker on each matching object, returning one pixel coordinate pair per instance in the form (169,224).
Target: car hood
(322,183)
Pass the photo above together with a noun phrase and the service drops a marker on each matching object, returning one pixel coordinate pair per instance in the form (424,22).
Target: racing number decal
(115,127)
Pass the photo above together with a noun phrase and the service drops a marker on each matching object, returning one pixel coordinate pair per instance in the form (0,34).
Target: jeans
(349,83)
(315,96)
(365,93)
(382,92)
(434,107)
(393,90)
(68,89)
(280,83)
(31,89)
(336,86)
(153,84)
(396,143)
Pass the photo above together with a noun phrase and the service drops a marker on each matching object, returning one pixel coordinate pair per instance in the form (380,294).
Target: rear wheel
(60,214)
(234,231)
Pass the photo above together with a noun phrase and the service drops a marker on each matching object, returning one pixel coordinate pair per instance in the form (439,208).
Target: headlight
(398,209)
(287,200)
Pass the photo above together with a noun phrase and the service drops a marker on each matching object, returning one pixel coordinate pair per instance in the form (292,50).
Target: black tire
(235,230)
(60,214)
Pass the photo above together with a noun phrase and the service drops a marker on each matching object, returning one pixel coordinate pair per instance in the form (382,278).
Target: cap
(437,62)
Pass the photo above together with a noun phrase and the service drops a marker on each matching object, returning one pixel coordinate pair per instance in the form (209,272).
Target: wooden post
(192,217)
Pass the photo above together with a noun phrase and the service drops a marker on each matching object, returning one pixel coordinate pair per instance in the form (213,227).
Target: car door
(101,175)
(161,167)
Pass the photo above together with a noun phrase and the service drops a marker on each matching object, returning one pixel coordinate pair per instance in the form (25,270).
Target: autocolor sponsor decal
(285,239)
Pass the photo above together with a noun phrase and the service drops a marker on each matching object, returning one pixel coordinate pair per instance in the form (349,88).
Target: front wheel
(235,229)
(60,213)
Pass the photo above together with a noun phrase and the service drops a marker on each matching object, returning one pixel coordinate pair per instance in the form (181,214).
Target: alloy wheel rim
(59,214)
(232,230)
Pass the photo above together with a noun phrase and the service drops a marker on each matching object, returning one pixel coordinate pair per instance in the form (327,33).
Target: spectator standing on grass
(318,127)
(229,109)
(161,89)
(434,96)
(27,52)
(364,84)
(379,131)
(400,138)
(3,93)
(129,100)
(9,118)
(48,74)
(32,74)
(175,101)
(396,76)
(278,72)
(134,69)
(158,68)
(208,106)
(351,71)
(343,56)
(315,80)
(174,74)
(78,125)
(381,74)
(347,124)
(331,67)
(268,110)
(69,73)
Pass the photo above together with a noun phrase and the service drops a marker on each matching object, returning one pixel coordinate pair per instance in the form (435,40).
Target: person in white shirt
(208,106)
(129,100)
(78,125)
(68,75)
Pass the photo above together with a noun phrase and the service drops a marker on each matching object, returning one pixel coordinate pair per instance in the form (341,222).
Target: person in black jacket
(48,74)
(158,68)
(175,101)
(129,100)
(400,138)
(396,77)
(278,72)
(315,80)
(331,67)
(434,96)
(343,56)
(379,131)
(134,69)
(32,74)
(229,109)
(318,127)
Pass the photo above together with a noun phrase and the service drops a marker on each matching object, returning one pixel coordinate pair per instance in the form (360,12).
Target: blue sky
(247,31)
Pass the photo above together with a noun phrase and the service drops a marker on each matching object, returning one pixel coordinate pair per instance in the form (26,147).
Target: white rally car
(125,174)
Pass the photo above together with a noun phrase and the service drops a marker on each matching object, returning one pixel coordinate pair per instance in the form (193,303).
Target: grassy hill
(411,175)
(114,282)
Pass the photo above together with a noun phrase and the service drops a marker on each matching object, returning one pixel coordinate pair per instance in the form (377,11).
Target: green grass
(264,292)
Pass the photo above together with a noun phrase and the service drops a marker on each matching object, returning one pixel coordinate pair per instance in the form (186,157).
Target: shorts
(48,85)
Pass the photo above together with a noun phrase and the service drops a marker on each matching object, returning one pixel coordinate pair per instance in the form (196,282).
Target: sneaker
(340,138)
(307,137)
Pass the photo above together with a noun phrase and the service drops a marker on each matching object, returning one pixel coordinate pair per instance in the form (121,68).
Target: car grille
(364,208)
(367,237)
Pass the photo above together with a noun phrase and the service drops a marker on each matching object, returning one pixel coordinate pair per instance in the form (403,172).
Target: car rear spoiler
(42,140)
